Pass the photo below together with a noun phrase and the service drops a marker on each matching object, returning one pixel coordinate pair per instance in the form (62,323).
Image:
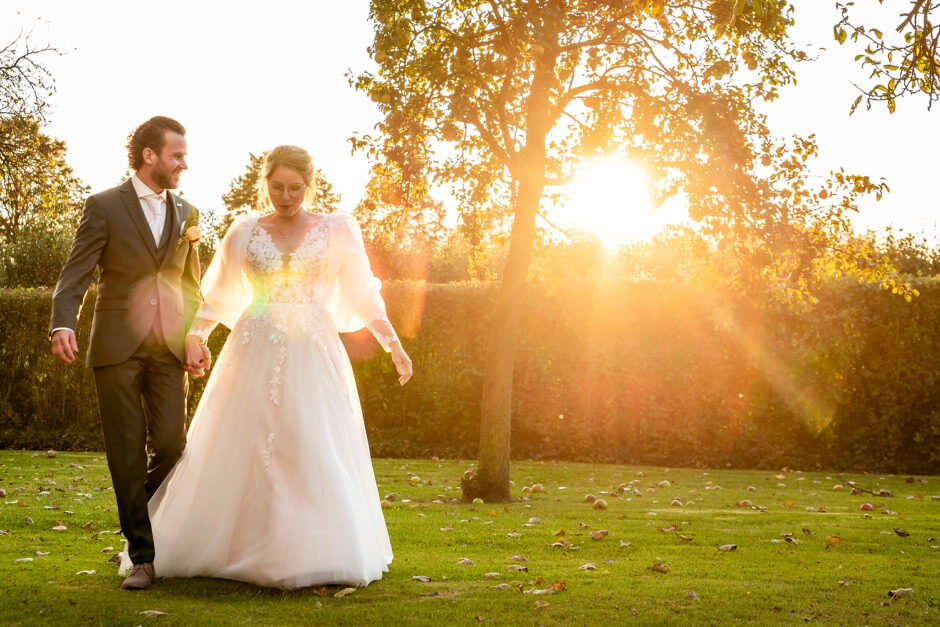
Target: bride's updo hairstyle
(295,158)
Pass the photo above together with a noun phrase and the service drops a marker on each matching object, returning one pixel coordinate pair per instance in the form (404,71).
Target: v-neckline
(287,257)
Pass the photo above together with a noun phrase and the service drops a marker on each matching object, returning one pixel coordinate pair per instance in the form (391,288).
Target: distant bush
(637,372)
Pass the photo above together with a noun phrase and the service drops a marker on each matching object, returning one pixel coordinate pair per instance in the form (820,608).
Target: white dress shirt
(153,206)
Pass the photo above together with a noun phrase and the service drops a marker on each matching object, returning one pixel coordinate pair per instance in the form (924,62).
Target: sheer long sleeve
(225,289)
(356,300)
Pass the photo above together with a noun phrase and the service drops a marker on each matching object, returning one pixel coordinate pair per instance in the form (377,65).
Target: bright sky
(244,77)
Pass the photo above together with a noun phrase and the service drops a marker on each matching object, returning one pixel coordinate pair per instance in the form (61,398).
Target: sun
(610,199)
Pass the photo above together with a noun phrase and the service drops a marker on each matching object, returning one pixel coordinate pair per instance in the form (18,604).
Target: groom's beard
(163,180)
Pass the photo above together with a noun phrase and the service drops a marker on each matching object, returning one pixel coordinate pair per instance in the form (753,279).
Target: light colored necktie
(156,224)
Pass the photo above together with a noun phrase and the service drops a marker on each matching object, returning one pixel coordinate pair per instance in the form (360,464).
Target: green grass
(766,580)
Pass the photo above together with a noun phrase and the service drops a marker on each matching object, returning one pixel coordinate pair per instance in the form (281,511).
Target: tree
(42,187)
(25,85)
(906,64)
(40,202)
(504,99)
(244,192)
(406,244)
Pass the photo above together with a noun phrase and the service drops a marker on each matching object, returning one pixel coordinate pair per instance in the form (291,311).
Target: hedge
(629,372)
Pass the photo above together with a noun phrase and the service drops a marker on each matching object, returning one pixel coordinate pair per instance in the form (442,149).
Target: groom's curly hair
(150,135)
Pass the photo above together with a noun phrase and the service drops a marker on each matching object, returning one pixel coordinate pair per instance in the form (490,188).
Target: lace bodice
(297,277)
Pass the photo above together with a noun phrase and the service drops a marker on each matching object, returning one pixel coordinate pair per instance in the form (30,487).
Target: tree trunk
(491,481)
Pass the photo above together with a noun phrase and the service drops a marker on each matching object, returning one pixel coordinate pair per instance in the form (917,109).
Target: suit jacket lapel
(174,207)
(132,204)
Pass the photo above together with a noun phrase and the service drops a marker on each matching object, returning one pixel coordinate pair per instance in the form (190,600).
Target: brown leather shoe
(140,578)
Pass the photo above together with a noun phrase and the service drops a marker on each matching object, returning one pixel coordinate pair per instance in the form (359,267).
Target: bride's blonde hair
(295,158)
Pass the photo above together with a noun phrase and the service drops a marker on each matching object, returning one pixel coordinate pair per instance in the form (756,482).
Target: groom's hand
(64,345)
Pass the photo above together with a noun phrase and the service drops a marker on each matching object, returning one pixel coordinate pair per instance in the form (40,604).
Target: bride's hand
(402,362)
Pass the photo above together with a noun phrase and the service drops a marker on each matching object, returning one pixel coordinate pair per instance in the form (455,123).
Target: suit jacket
(137,283)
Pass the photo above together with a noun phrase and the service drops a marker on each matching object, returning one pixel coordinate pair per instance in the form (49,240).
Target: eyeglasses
(290,190)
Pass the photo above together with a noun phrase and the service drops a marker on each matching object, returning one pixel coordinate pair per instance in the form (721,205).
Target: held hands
(402,362)
(64,345)
(198,357)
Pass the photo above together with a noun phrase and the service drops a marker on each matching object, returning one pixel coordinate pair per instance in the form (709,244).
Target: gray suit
(147,297)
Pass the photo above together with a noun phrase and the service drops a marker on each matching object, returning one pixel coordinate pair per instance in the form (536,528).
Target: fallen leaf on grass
(23,560)
(541,603)
(600,504)
(691,595)
(791,540)
(492,575)
(87,572)
(728,547)
(518,558)
(660,568)
(42,553)
(901,532)
(502,586)
(344,592)
(151,613)
(902,593)
(88,524)
(624,545)
(682,538)
(60,528)
(832,541)
(588,566)
(517,568)
(513,534)
(600,534)
(807,531)
(422,578)
(447,528)
(464,561)
(534,521)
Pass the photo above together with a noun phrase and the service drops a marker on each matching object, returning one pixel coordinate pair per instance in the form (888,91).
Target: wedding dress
(275,485)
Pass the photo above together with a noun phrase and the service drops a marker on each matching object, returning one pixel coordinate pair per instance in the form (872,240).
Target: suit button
(153,301)
(159,275)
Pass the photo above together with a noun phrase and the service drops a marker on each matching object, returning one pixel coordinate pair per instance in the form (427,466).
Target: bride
(276,486)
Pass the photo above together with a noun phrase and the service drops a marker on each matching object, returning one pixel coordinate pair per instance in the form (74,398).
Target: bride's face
(287,189)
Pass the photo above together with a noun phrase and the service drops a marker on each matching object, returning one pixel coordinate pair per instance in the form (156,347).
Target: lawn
(804,551)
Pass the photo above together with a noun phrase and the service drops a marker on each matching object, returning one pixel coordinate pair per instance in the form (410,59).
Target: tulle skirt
(275,485)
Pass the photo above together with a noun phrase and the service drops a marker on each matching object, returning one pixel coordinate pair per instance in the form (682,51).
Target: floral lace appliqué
(288,295)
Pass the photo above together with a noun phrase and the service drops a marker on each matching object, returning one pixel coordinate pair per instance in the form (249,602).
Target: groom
(142,239)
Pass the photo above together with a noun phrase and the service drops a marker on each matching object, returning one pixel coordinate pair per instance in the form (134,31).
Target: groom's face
(167,166)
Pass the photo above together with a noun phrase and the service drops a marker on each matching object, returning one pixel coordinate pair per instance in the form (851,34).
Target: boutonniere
(190,230)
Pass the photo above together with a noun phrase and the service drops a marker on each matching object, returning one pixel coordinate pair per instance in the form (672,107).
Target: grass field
(60,513)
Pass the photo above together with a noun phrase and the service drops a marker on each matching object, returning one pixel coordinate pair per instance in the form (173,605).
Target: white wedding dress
(275,485)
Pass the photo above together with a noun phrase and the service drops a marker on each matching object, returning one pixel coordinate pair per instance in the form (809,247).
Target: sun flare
(610,199)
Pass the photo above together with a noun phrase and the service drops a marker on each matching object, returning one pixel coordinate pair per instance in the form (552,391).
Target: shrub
(630,372)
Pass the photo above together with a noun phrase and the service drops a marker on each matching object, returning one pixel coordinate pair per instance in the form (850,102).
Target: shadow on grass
(203,587)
